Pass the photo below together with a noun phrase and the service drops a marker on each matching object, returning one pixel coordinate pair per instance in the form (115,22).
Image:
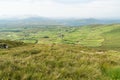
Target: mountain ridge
(53,21)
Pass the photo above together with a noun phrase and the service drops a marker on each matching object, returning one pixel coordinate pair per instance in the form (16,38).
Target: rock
(4,46)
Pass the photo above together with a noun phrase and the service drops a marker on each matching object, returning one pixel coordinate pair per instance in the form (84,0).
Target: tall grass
(58,62)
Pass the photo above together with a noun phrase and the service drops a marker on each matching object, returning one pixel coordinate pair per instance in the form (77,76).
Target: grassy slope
(12,44)
(58,62)
(112,38)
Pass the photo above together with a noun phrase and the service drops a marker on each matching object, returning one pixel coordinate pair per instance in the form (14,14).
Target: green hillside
(112,38)
(91,35)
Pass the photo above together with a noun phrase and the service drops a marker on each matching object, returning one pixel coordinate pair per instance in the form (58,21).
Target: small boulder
(4,46)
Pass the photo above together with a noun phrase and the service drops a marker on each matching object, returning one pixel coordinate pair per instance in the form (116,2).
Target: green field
(42,52)
(91,35)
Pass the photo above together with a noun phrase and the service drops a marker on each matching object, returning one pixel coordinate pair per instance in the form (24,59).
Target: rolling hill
(60,52)
(90,35)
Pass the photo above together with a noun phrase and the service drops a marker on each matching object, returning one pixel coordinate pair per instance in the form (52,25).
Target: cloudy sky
(108,9)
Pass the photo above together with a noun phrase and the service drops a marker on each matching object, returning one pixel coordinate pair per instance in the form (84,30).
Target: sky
(100,9)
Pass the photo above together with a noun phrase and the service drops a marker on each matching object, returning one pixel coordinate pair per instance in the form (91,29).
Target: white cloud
(60,8)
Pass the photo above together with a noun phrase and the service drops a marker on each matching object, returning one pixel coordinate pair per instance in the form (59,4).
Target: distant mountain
(49,21)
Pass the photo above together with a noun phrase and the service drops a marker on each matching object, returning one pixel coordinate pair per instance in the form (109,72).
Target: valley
(59,52)
(89,35)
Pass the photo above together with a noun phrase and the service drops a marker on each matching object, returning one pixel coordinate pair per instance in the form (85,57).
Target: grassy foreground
(58,62)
